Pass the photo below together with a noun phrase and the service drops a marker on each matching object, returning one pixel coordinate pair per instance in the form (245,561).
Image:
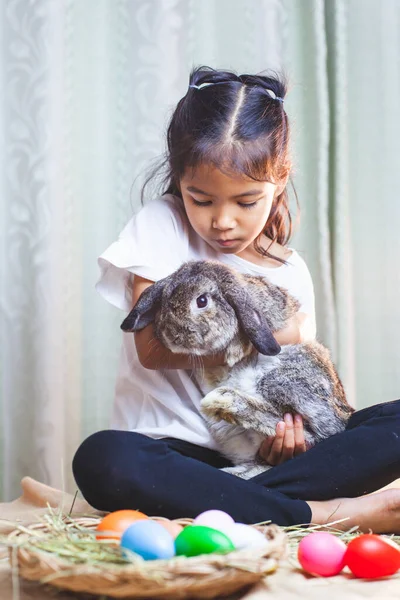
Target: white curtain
(87,87)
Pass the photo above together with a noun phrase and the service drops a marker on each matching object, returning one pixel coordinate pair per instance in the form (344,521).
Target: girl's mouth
(226,243)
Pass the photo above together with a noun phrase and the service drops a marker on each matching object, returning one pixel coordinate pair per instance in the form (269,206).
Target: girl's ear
(144,311)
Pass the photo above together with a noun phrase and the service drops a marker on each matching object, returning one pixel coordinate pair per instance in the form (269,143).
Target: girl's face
(228,212)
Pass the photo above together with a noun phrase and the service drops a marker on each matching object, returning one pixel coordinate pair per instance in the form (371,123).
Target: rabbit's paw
(220,404)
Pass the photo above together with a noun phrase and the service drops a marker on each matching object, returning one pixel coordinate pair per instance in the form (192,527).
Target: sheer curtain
(88,86)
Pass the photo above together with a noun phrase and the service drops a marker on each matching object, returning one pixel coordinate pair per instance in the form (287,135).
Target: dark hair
(239,127)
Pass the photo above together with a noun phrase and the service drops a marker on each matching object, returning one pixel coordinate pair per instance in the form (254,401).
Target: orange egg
(173,528)
(116,523)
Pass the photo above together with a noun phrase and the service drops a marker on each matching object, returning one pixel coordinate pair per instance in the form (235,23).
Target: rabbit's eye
(202,301)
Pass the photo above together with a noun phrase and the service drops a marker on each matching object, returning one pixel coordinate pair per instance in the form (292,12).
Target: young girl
(225,199)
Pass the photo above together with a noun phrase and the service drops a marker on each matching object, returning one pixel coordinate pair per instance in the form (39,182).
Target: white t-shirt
(155,242)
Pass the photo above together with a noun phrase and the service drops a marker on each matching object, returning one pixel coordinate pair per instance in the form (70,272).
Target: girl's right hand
(288,442)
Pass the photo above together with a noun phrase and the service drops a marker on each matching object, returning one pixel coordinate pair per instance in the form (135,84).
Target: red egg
(114,524)
(372,556)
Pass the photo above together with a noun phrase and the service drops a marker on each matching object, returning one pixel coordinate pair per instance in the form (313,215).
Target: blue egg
(148,539)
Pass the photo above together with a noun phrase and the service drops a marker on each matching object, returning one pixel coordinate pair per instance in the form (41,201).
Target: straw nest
(63,552)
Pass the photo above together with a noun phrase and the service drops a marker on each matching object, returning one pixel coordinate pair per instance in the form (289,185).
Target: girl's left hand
(287,443)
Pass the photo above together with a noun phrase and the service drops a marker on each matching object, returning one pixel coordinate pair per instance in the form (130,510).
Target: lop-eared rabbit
(206,307)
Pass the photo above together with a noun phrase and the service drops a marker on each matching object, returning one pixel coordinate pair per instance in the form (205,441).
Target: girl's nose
(223,221)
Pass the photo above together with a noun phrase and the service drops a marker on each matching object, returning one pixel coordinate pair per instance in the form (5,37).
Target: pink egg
(216,519)
(322,553)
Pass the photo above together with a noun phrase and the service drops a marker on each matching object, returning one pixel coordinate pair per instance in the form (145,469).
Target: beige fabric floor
(286,584)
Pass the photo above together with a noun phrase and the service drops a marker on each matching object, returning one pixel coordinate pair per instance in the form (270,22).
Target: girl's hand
(287,443)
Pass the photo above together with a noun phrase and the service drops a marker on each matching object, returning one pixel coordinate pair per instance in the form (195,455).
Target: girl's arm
(154,355)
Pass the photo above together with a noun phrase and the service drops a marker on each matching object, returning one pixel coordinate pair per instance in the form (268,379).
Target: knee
(89,454)
(89,469)
(391,408)
(384,412)
(99,465)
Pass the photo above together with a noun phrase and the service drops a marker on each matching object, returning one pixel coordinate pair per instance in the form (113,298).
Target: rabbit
(206,307)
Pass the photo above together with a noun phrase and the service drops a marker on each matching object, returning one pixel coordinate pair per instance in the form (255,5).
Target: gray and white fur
(204,308)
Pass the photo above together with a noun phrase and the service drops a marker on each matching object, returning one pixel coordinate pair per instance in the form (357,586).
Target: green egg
(199,539)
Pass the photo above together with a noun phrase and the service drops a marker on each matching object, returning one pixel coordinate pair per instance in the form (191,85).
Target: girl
(225,199)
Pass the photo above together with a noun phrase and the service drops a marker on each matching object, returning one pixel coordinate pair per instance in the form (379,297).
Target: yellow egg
(173,528)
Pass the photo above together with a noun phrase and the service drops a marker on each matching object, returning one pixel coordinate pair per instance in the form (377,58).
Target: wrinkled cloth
(288,583)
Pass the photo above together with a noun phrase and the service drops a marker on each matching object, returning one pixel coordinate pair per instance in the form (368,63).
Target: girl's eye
(242,204)
(248,204)
(198,203)
(201,301)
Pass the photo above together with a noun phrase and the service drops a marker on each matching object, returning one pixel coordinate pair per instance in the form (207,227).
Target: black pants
(173,478)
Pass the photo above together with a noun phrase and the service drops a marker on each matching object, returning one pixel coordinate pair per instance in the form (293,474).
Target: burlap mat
(288,583)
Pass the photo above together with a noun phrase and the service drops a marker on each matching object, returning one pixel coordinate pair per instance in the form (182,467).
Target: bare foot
(379,512)
(35,493)
(33,503)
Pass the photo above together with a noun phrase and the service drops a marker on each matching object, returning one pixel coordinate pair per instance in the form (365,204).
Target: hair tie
(206,84)
(270,93)
(273,96)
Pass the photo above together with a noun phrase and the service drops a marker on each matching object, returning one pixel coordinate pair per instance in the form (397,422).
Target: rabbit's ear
(145,308)
(253,322)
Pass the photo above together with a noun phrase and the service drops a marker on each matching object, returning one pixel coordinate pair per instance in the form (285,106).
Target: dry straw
(63,552)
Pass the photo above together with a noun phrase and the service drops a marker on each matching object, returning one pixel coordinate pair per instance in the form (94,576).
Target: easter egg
(322,553)
(173,528)
(115,523)
(199,539)
(244,536)
(148,539)
(216,519)
(371,556)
